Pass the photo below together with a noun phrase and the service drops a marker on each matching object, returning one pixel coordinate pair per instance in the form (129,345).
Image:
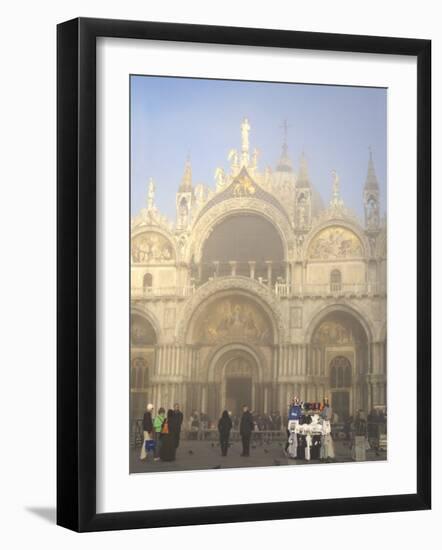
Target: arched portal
(243,244)
(143,341)
(339,363)
(234,380)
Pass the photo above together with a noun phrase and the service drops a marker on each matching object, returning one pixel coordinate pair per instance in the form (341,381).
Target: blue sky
(174,117)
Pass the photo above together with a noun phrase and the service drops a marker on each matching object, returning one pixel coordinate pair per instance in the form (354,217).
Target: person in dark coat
(168,437)
(245,430)
(178,422)
(224,427)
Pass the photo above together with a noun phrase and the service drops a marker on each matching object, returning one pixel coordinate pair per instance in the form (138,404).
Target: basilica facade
(259,291)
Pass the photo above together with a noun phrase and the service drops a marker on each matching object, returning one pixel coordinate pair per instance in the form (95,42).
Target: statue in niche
(233,157)
(372,213)
(302,206)
(220,178)
(183,213)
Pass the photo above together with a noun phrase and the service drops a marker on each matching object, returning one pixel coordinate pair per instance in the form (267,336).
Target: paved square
(203,455)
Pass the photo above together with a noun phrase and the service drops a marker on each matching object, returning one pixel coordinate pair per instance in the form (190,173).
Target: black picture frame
(76,273)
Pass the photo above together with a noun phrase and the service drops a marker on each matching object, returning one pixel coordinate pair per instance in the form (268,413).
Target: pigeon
(276,462)
(191,452)
(216,467)
(266,450)
(213,444)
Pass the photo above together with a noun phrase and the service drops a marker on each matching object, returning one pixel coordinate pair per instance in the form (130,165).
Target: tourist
(245,430)
(194,425)
(224,427)
(178,423)
(147,431)
(157,425)
(327,411)
(168,437)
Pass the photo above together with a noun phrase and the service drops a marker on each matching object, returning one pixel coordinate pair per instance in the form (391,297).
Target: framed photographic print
(243,274)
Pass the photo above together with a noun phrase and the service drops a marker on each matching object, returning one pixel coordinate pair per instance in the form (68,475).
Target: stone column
(216,272)
(232,268)
(204,398)
(287,273)
(266,400)
(252,266)
(269,273)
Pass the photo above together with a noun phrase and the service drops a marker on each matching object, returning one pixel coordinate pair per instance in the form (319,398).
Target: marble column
(269,273)
(252,266)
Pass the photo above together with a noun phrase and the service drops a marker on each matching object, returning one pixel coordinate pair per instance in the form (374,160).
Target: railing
(161,292)
(282,290)
(258,437)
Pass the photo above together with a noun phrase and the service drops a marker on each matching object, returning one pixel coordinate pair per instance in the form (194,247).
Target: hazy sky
(174,117)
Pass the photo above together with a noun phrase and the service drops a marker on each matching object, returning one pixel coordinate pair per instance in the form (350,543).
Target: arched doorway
(341,374)
(235,381)
(339,363)
(143,341)
(234,333)
(238,382)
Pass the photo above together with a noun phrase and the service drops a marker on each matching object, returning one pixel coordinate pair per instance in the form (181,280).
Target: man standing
(245,430)
(178,422)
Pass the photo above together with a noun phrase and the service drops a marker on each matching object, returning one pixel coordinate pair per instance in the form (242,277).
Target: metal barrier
(259,437)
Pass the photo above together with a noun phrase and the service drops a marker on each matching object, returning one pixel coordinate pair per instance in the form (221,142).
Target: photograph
(258,274)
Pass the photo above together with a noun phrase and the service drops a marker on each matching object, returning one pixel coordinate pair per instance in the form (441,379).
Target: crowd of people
(162,431)
(199,423)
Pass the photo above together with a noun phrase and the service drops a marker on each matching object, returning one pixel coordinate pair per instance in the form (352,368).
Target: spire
(186,181)
(284,164)
(303,177)
(336,200)
(371,182)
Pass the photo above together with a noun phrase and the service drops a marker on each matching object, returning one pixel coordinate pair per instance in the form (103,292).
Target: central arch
(234,374)
(242,244)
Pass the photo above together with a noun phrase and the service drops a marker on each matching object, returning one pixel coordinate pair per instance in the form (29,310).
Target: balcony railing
(285,291)
(163,292)
(282,290)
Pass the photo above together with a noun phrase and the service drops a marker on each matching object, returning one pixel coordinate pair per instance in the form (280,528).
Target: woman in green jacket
(157,425)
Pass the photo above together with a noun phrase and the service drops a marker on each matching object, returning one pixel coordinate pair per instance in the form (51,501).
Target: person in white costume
(147,430)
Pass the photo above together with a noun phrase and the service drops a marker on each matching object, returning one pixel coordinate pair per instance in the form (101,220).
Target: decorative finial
(285,126)
(151,194)
(186,182)
(245,129)
(284,164)
(371,182)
